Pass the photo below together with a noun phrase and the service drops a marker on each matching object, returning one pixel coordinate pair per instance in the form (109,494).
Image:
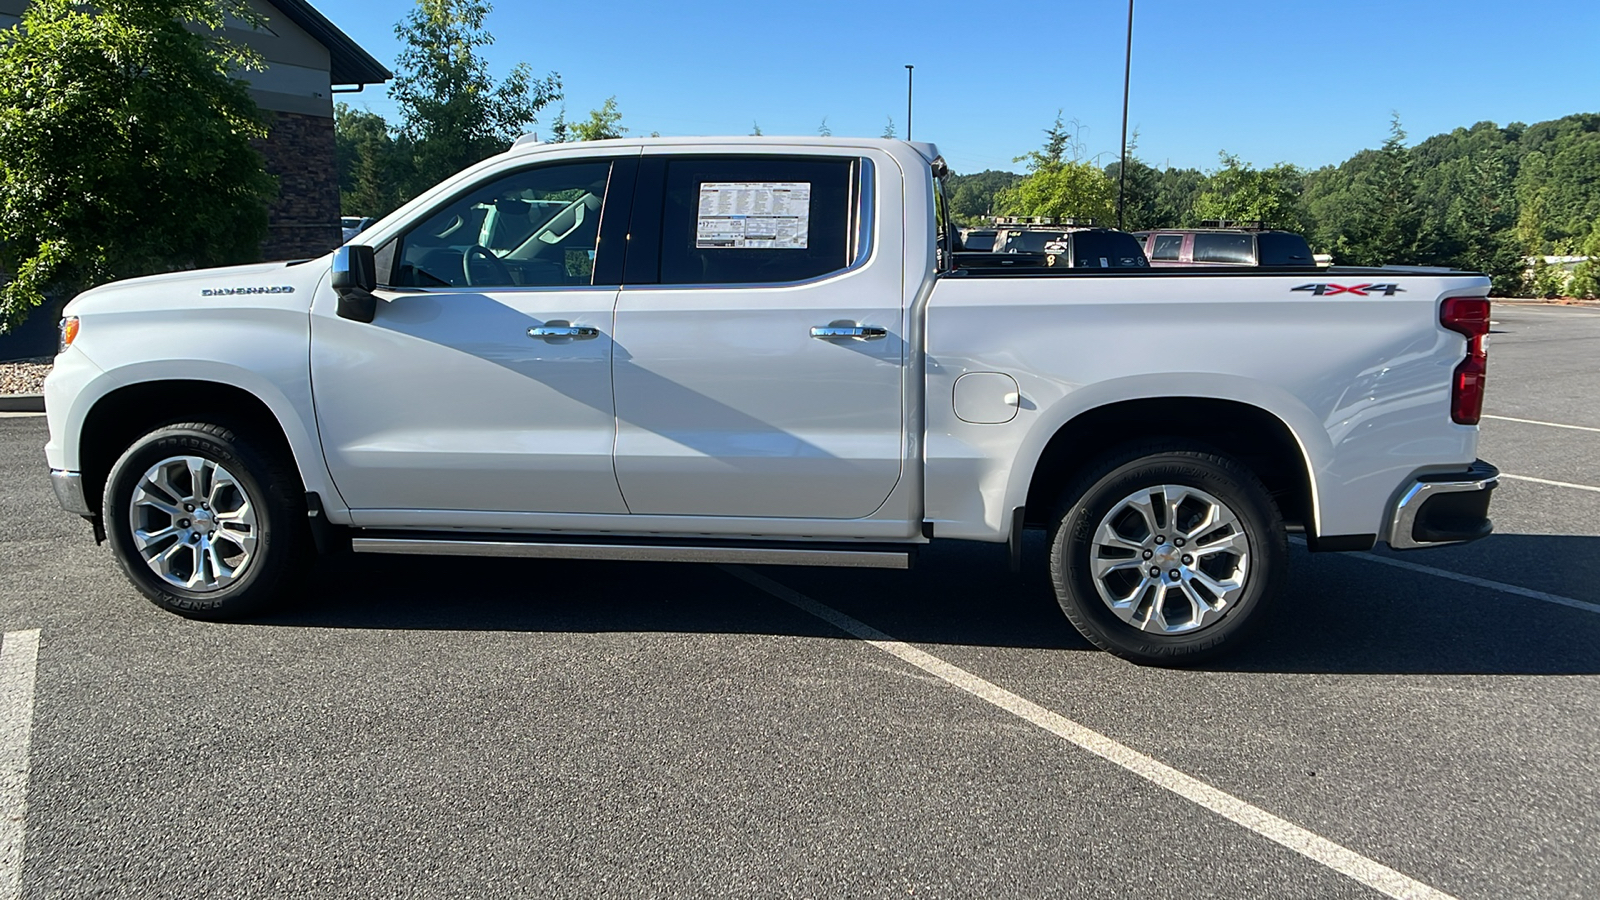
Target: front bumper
(1442,509)
(69,492)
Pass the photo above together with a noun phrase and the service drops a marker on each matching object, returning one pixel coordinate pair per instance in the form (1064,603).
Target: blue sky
(1303,82)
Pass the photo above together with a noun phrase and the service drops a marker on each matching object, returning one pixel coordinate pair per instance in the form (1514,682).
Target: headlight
(69,333)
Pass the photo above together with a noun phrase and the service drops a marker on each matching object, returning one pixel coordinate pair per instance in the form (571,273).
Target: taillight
(1468,316)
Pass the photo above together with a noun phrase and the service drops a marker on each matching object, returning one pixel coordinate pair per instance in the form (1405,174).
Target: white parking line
(1550,313)
(1500,586)
(1537,422)
(1341,859)
(21,415)
(19,657)
(1565,484)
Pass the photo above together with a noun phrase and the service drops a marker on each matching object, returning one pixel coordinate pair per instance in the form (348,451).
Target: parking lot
(1422,724)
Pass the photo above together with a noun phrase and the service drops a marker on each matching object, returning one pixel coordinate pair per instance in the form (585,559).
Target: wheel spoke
(142,497)
(1198,607)
(1108,536)
(197,478)
(144,539)
(162,562)
(1223,589)
(1144,503)
(1157,616)
(1231,543)
(1104,567)
(1207,522)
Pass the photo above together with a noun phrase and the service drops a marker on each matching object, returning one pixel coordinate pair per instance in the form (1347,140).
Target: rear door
(759,357)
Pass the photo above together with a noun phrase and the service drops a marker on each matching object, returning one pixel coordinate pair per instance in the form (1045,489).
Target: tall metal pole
(908,101)
(1122,170)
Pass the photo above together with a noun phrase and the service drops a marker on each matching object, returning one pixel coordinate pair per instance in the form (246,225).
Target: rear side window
(1281,248)
(1224,248)
(978,241)
(1106,250)
(755,220)
(1168,247)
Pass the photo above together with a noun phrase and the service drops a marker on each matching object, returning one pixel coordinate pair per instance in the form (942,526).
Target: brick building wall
(304,221)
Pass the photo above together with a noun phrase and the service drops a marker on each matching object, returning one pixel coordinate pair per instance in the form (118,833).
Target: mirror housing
(355,277)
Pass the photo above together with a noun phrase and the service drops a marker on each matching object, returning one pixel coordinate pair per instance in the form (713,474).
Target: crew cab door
(760,356)
(484,381)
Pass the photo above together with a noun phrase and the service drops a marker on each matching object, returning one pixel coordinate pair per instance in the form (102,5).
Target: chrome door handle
(859,332)
(580,332)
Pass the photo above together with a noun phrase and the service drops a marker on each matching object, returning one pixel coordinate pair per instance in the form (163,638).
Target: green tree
(823,129)
(603,123)
(972,197)
(1586,277)
(1242,193)
(888,130)
(1368,212)
(1059,186)
(373,167)
(452,110)
(124,146)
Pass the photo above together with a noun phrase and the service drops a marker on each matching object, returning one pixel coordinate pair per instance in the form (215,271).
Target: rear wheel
(206,523)
(1167,555)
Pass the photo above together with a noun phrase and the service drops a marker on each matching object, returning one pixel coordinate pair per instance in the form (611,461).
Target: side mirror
(355,277)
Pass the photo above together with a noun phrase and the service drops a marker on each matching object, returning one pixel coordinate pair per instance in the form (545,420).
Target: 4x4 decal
(1360,290)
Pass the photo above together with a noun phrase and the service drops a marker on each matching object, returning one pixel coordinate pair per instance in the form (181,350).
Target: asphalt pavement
(498,728)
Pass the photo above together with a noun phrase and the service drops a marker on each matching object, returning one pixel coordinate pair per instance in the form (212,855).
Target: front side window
(756,219)
(1224,248)
(534,228)
(1168,247)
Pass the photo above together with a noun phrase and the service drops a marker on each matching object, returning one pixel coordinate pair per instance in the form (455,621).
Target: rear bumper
(1450,508)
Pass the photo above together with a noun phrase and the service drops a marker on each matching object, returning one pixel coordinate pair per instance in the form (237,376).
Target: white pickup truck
(758,350)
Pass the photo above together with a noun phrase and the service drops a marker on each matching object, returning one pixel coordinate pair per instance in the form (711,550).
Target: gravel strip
(24,376)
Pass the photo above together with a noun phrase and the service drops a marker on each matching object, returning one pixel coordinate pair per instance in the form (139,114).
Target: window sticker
(754,215)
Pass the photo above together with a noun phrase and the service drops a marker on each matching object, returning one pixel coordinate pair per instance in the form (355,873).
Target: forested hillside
(1484,198)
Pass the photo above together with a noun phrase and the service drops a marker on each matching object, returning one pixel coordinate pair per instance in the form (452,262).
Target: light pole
(1122,170)
(908,101)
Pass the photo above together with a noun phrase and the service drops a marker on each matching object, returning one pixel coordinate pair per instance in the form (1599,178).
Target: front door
(484,382)
(760,357)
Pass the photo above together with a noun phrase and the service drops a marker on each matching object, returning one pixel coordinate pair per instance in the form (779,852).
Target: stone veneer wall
(304,221)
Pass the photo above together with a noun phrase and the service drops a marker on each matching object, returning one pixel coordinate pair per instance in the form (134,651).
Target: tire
(246,540)
(1225,584)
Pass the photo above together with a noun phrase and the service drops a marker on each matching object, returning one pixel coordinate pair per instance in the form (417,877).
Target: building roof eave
(348,62)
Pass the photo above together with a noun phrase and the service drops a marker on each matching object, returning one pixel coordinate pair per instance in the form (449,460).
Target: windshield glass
(1032,241)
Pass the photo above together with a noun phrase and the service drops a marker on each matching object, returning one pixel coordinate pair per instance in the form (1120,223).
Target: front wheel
(206,522)
(1167,555)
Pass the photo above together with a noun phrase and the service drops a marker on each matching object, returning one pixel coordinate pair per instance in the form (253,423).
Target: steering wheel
(480,266)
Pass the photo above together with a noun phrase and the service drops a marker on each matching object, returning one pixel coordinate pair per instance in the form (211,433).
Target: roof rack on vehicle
(1028,221)
(1241,224)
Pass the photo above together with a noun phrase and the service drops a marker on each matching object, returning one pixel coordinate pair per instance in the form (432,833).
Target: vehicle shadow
(1341,614)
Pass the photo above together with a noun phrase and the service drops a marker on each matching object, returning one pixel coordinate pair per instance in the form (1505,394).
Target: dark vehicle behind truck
(1267,248)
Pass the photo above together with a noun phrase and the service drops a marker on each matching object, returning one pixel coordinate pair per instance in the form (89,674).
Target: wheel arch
(124,413)
(1259,438)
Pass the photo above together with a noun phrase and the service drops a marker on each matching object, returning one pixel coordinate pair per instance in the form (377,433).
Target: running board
(866,556)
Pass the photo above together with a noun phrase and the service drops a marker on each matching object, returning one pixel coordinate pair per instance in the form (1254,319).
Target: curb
(21,403)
